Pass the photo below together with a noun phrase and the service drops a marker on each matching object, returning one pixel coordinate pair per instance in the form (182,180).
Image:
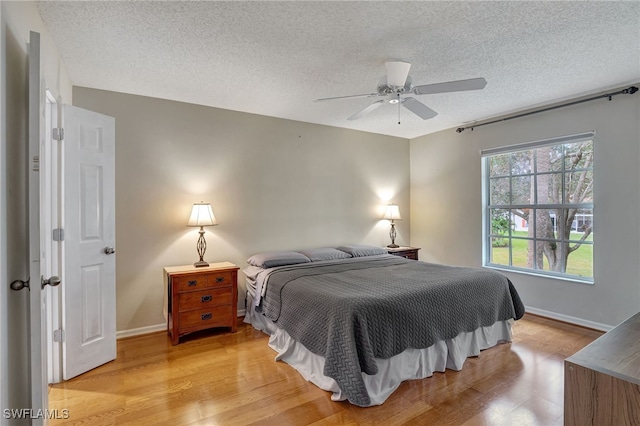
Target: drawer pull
(219,279)
(206,316)
(206,298)
(193,283)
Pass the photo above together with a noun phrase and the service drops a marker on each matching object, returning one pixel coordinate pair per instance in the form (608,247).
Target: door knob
(109,250)
(17,285)
(54,281)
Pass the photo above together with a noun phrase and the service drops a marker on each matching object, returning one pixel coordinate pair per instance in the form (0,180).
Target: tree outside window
(539,209)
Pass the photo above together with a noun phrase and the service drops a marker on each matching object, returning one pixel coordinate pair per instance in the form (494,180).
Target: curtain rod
(629,90)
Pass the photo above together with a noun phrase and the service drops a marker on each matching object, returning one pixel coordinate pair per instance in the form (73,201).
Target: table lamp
(201,215)
(392,213)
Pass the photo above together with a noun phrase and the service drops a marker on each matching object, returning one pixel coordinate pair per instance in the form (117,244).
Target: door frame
(37,343)
(50,201)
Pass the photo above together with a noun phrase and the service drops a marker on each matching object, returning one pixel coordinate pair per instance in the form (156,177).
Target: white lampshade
(202,215)
(392,212)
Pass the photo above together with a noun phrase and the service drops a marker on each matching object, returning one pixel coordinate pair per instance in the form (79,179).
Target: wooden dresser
(406,252)
(201,298)
(602,381)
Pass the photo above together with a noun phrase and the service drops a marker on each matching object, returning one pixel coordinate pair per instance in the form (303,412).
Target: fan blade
(397,73)
(368,95)
(418,108)
(451,86)
(366,110)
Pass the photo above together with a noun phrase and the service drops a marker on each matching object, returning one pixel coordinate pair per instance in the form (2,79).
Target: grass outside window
(580,262)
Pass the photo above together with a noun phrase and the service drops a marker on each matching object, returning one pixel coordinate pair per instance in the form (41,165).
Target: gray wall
(273,184)
(446,213)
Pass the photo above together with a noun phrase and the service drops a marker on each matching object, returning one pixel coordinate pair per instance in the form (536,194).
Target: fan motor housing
(385,89)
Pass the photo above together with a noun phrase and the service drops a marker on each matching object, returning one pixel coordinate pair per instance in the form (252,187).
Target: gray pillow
(272,259)
(326,253)
(361,250)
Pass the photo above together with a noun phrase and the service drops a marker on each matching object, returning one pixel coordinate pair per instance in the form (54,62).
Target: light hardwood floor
(232,379)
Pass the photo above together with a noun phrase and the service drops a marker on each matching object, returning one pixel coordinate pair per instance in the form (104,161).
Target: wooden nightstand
(201,298)
(406,252)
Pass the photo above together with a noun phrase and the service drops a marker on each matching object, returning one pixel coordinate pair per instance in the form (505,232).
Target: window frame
(533,173)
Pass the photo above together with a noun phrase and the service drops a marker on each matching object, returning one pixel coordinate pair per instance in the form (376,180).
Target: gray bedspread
(351,312)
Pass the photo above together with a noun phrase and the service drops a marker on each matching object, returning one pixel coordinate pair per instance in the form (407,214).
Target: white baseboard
(569,319)
(140,331)
(152,328)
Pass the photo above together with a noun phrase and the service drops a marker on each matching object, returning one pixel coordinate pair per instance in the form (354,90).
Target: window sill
(535,274)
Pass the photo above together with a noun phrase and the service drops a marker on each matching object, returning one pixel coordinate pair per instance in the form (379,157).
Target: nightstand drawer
(406,252)
(214,316)
(205,298)
(189,282)
(202,281)
(410,254)
(219,279)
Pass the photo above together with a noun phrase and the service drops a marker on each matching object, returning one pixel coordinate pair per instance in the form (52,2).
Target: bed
(357,322)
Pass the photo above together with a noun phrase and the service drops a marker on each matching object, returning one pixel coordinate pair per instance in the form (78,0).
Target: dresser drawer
(201,281)
(214,316)
(204,298)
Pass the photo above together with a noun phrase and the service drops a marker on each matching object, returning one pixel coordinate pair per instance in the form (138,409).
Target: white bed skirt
(408,365)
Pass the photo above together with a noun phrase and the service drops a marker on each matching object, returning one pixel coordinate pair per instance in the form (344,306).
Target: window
(538,207)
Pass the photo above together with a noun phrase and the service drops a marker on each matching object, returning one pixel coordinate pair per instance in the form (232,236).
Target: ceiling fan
(395,88)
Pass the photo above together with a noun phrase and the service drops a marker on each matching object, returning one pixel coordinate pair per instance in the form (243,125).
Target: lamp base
(200,264)
(393,246)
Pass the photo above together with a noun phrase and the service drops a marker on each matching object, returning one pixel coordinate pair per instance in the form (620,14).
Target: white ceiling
(275,58)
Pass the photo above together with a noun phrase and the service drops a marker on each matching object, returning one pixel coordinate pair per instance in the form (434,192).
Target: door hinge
(36,164)
(58,335)
(57,133)
(58,234)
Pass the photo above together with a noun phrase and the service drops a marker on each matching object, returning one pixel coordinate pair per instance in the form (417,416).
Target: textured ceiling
(275,58)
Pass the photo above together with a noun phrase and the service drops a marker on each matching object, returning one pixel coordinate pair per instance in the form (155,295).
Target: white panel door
(37,338)
(88,193)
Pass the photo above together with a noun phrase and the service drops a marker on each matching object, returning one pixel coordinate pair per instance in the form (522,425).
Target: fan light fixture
(397,73)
